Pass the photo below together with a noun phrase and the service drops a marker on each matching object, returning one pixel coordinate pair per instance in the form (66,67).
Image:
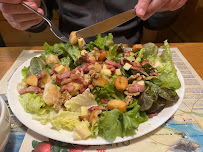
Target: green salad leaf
(116,123)
(102,43)
(68,54)
(33,103)
(24,73)
(115,53)
(167,72)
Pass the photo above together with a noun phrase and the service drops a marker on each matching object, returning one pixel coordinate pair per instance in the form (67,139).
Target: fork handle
(46,19)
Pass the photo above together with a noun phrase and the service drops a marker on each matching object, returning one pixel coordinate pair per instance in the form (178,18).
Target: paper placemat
(182,132)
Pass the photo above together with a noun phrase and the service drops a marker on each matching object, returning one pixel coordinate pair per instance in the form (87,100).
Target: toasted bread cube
(127,66)
(106,71)
(60,69)
(73,39)
(84,112)
(100,82)
(32,80)
(81,43)
(118,72)
(137,47)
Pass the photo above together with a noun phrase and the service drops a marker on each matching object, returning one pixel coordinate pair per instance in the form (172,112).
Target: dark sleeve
(47,8)
(161,20)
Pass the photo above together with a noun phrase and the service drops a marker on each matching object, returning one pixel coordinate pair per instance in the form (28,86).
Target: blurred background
(187,28)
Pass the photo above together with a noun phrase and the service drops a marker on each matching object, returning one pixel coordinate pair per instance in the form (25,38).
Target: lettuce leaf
(115,53)
(150,50)
(67,53)
(24,73)
(85,99)
(33,103)
(102,43)
(167,72)
(66,120)
(116,123)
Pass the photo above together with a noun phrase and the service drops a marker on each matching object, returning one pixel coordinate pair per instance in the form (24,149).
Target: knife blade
(107,24)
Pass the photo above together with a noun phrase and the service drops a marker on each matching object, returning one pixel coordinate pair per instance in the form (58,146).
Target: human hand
(146,8)
(19,16)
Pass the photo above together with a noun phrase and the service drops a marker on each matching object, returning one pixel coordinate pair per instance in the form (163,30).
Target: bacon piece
(80,60)
(31,89)
(104,100)
(154,74)
(66,81)
(58,79)
(75,76)
(136,88)
(91,87)
(65,75)
(122,61)
(136,68)
(117,65)
(82,89)
(97,108)
(42,74)
(137,64)
(68,87)
(85,68)
(152,115)
(111,67)
(145,61)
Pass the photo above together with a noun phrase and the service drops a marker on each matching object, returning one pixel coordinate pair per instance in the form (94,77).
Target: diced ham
(104,100)
(65,75)
(136,68)
(122,61)
(109,62)
(97,108)
(137,64)
(145,62)
(82,89)
(68,87)
(66,81)
(152,115)
(58,79)
(75,76)
(91,87)
(31,89)
(85,68)
(136,88)
(42,74)
(154,74)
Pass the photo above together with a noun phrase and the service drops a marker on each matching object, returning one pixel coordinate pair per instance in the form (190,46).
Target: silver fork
(53,28)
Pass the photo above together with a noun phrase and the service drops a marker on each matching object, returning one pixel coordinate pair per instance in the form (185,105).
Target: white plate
(66,136)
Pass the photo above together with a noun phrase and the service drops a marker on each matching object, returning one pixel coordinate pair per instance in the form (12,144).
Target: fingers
(141,7)
(25,25)
(179,5)
(146,8)
(154,6)
(21,17)
(18,18)
(17,8)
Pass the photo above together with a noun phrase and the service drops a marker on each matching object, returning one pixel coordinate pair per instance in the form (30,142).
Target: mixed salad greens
(99,88)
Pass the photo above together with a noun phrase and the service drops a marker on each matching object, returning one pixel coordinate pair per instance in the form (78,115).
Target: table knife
(107,24)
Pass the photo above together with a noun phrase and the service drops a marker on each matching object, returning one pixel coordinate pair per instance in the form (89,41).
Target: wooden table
(193,52)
